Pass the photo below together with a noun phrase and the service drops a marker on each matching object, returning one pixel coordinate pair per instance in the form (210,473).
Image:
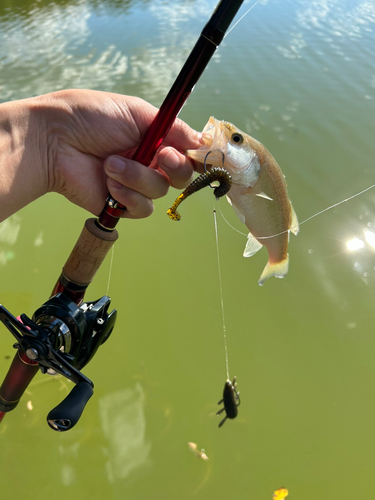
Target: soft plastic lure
(231,400)
(214,174)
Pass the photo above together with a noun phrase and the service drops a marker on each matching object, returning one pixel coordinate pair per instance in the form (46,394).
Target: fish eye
(237,138)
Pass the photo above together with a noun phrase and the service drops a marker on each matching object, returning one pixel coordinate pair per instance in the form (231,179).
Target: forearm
(23,151)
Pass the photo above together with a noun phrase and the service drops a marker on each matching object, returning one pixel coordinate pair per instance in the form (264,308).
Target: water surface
(299,76)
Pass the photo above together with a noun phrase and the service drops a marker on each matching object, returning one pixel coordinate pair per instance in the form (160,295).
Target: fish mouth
(214,147)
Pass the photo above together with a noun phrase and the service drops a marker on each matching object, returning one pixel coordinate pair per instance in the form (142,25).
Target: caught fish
(258,193)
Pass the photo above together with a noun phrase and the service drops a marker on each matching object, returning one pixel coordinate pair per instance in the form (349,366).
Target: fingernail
(115,164)
(171,161)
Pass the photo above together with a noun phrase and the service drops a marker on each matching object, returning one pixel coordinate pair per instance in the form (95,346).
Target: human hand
(76,132)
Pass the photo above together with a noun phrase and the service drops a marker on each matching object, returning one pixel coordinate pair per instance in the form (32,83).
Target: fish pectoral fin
(263,195)
(239,214)
(279,270)
(252,246)
(294,227)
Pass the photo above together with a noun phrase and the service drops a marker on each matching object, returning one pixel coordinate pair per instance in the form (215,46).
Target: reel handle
(68,412)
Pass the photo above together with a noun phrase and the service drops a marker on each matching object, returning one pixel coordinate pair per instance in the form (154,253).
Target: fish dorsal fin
(263,195)
(294,227)
(252,246)
(237,212)
(279,270)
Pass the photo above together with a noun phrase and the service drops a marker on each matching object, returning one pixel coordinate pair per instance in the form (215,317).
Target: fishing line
(305,220)
(221,294)
(240,19)
(230,225)
(339,203)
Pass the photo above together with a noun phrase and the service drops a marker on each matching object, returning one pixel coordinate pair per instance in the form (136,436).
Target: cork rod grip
(88,253)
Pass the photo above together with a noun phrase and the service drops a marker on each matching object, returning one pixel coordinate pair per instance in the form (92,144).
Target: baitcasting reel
(61,338)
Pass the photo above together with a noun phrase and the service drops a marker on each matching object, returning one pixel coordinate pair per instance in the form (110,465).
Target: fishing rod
(64,333)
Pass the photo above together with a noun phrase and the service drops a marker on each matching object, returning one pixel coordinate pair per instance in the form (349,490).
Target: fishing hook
(205,170)
(207,155)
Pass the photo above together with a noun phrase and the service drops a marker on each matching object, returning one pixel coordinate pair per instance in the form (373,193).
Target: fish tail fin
(279,270)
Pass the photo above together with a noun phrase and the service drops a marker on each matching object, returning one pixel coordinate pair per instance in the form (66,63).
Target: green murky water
(300,77)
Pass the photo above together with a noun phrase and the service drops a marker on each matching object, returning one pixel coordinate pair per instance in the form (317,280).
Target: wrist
(23,155)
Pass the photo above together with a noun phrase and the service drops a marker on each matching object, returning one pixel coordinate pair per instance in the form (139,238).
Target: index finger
(180,136)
